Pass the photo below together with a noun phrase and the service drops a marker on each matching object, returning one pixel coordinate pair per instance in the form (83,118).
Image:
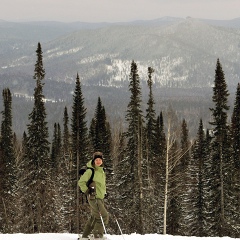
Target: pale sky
(116,10)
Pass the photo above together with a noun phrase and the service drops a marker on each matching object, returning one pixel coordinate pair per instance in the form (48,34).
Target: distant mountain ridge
(183,52)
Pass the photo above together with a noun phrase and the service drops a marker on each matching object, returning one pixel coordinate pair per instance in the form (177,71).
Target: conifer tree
(197,186)
(65,178)
(37,197)
(160,175)
(7,168)
(118,153)
(181,179)
(153,163)
(235,129)
(100,133)
(79,148)
(130,168)
(221,160)
(150,119)
(234,214)
(60,172)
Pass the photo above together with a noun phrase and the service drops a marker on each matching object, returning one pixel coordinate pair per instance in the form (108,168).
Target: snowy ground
(66,236)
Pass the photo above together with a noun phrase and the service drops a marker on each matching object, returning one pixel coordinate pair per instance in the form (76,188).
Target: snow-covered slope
(183,53)
(65,236)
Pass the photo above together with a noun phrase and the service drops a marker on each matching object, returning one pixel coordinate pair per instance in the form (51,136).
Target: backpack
(82,171)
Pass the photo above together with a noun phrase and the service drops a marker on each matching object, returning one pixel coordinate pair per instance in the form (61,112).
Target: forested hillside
(159,179)
(182,53)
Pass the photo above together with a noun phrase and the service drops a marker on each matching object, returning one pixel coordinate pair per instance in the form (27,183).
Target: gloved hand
(91,191)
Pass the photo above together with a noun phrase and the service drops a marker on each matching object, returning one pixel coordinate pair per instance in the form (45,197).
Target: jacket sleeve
(82,183)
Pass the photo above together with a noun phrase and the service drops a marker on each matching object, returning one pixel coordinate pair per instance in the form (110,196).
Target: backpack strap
(91,178)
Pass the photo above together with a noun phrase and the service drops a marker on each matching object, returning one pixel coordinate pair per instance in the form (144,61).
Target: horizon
(92,11)
(144,20)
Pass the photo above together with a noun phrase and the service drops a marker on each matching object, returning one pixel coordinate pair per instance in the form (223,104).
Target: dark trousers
(94,223)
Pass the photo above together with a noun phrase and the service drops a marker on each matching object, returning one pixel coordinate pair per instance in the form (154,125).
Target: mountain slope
(183,54)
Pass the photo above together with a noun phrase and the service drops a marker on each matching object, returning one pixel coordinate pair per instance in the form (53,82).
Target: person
(95,195)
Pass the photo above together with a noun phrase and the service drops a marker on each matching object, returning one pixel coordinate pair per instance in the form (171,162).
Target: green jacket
(99,179)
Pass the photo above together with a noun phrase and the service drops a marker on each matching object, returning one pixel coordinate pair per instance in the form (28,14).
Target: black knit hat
(97,155)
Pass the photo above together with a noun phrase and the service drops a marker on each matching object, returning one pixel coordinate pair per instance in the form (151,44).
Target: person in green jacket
(95,194)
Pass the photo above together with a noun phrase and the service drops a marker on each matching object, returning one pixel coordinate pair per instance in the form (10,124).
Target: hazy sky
(116,10)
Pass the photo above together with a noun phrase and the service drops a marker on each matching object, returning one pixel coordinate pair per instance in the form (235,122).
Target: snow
(68,236)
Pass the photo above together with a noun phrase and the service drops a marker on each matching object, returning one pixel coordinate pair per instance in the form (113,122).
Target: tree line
(158,179)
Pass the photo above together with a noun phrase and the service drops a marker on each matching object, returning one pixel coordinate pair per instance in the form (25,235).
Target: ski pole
(101,217)
(117,222)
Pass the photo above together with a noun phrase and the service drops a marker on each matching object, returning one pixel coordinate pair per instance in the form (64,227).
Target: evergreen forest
(159,180)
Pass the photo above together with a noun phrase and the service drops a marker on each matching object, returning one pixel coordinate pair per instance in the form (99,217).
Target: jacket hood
(89,164)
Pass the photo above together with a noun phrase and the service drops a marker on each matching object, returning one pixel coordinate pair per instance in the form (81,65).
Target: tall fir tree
(100,134)
(153,163)
(160,172)
(197,187)
(181,179)
(235,129)
(234,216)
(130,184)
(150,119)
(220,155)
(65,178)
(7,168)
(101,139)
(119,154)
(80,149)
(37,199)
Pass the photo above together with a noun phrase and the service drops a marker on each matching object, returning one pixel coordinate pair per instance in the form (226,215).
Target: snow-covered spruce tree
(101,140)
(160,175)
(119,154)
(100,135)
(152,185)
(178,180)
(234,213)
(37,188)
(220,156)
(196,189)
(80,153)
(130,168)
(64,170)
(206,188)
(60,172)
(7,168)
